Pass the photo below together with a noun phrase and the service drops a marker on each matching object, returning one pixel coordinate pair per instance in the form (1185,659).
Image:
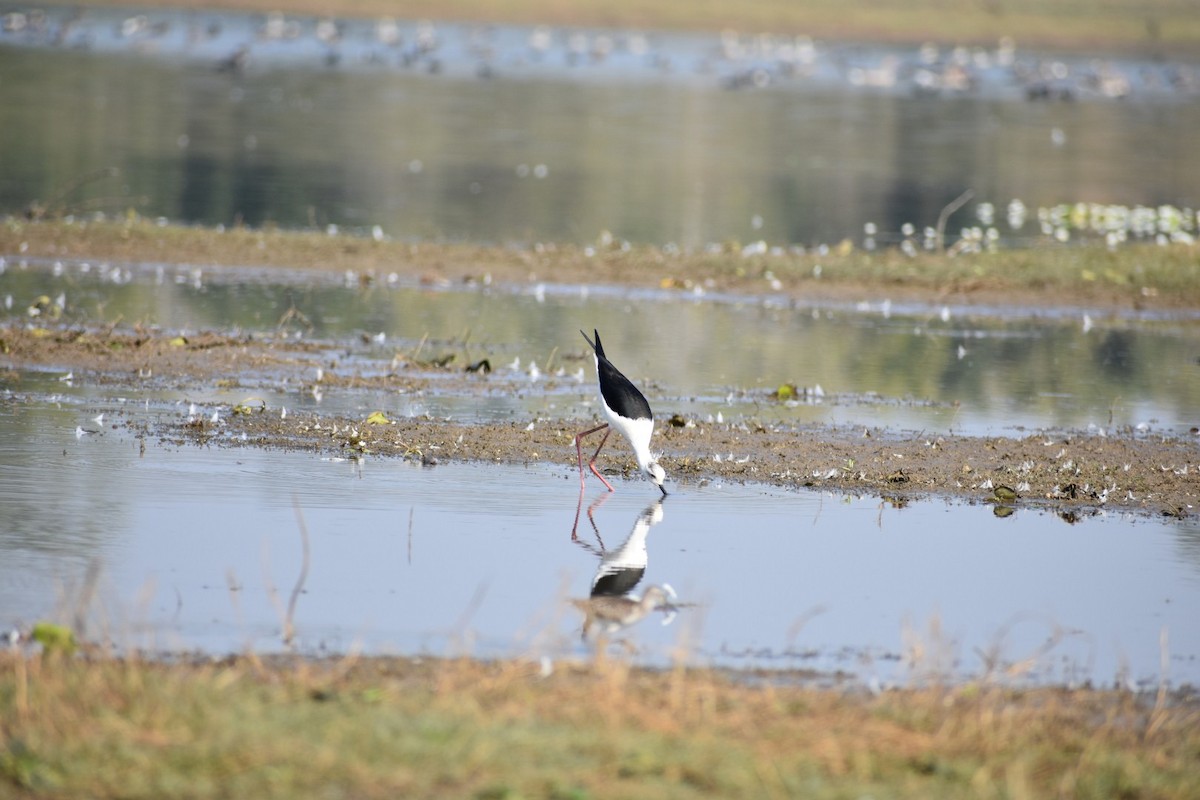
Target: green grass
(74,727)
(1131,276)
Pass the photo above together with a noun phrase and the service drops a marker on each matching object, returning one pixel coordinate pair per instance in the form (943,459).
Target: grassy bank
(388,727)
(1148,27)
(1131,276)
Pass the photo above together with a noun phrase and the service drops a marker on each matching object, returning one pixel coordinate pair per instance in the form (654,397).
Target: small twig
(798,624)
(411,510)
(460,625)
(944,217)
(420,346)
(105,201)
(21,694)
(289,625)
(1159,715)
(294,313)
(38,210)
(108,332)
(87,591)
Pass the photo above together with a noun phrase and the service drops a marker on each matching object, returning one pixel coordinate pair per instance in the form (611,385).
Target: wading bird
(626,410)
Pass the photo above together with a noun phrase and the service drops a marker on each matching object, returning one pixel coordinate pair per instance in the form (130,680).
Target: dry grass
(386,727)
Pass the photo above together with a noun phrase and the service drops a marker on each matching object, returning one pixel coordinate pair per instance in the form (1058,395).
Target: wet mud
(1075,472)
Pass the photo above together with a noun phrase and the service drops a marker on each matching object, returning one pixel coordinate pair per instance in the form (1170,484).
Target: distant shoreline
(1156,29)
(1136,279)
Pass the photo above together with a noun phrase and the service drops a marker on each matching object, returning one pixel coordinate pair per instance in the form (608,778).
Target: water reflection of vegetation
(651,163)
(1024,371)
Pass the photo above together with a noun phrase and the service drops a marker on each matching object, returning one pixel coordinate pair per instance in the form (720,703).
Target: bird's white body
(636,431)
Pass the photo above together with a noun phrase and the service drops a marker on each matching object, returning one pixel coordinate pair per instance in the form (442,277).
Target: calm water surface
(201,548)
(934,369)
(550,150)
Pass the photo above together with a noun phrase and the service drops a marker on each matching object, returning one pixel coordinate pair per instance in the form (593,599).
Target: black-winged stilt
(626,410)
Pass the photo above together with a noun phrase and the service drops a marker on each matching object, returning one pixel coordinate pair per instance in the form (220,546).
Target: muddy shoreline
(1074,472)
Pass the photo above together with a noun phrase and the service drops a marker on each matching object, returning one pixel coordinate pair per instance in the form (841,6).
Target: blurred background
(673,124)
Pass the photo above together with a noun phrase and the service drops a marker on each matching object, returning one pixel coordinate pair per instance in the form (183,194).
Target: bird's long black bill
(662,489)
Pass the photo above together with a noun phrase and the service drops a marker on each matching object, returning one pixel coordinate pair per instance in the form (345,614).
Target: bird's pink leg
(578,508)
(592,463)
(592,519)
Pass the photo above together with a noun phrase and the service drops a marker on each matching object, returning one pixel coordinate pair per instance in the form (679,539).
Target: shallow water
(934,369)
(178,548)
(201,548)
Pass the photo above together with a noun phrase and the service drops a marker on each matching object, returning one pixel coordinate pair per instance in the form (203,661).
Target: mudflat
(1077,472)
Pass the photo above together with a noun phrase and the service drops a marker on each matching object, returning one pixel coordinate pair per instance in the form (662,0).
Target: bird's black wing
(619,392)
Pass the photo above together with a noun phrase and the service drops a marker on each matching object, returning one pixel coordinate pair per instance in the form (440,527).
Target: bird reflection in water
(612,605)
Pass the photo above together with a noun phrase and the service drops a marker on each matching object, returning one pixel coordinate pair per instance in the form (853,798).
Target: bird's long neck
(641,452)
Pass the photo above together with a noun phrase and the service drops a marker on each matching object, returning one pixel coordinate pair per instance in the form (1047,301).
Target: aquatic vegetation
(1065,223)
(1145,269)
